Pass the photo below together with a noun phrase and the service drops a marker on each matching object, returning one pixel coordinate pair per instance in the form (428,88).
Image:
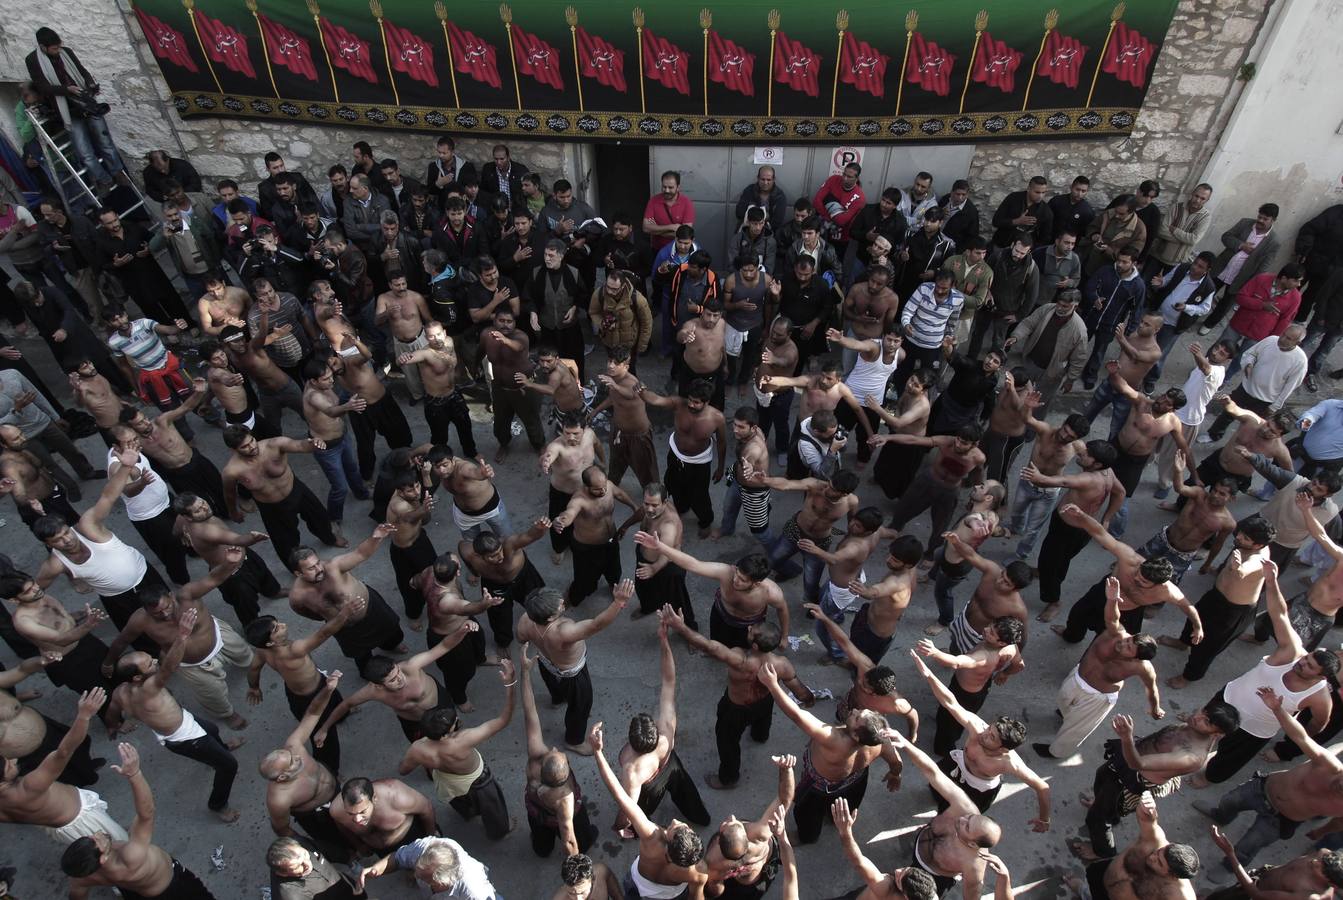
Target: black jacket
(179,170)
(963,225)
(489,182)
(1013,205)
(777,211)
(266,196)
(1320,241)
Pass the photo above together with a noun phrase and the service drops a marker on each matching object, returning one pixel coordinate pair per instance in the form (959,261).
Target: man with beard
(304,683)
(778,359)
(564,461)
(742,859)
(66,331)
(868,311)
(275,389)
(917,199)
(404,313)
(409,510)
(826,502)
(507,350)
(658,581)
(263,468)
(322,588)
(326,414)
(505,572)
(443,401)
(380,816)
(146,362)
(1204,522)
(35,489)
(1016,281)
(994,659)
(698,437)
(201,530)
(805,300)
(1138,353)
(300,785)
(222,304)
(95,395)
(554,293)
(147,504)
(554,379)
(925,252)
(631,432)
(449,612)
(704,355)
(1151,866)
(477,505)
(70,654)
(1316,875)
(594,544)
(381,414)
(744,494)
(937,488)
(845,566)
(235,392)
(908,883)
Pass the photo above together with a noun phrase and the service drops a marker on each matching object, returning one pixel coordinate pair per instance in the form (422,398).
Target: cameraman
(265,257)
(65,84)
(820,444)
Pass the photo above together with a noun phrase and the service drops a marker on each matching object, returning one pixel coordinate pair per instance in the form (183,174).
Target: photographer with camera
(67,86)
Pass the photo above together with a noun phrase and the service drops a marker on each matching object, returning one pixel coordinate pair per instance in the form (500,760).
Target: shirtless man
(222,304)
(667,856)
(744,595)
(292,661)
(326,416)
(27,736)
(1312,612)
(1138,353)
(409,510)
(262,466)
(1228,607)
(595,547)
(699,437)
(1317,875)
(950,565)
(505,571)
(301,786)
(444,405)
(143,693)
(952,846)
(869,308)
(990,752)
(506,347)
(825,503)
(322,588)
(404,313)
(72,657)
(648,764)
(843,567)
(1257,434)
(822,389)
(94,394)
(996,658)
(1149,420)
(211,646)
(704,355)
(1091,690)
(376,817)
(659,581)
(41,798)
(745,703)
(132,864)
(554,379)
(183,466)
(449,612)
(743,858)
(1053,448)
(205,533)
(631,432)
(1094,490)
(585,880)
(275,389)
(1155,763)
(233,390)
(449,753)
(477,504)
(873,628)
(997,596)
(836,761)
(1204,521)
(778,359)
(1151,868)
(748,495)
(1144,582)
(381,415)
(908,883)
(562,645)
(874,686)
(1006,432)
(35,489)
(553,797)
(564,460)
(937,486)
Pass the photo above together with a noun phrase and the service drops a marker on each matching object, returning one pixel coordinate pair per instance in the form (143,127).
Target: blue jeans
(1252,796)
(498,523)
(1106,395)
(1165,339)
(812,568)
(943,585)
(1100,343)
(92,140)
(374,335)
(1030,512)
(341,467)
(834,614)
(732,509)
(1241,343)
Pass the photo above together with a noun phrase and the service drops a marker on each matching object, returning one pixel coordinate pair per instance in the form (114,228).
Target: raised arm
(536,743)
(97,514)
(1289,642)
(666,720)
(194,590)
(581,631)
(716,571)
(709,647)
(845,817)
(365,550)
(1074,516)
(811,726)
(944,696)
(629,809)
(53,764)
(958,802)
(861,662)
(172,659)
(142,828)
(1294,731)
(313,714)
(478,734)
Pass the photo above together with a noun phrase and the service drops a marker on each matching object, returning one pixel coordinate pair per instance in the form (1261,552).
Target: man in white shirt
(1274,369)
(1204,381)
(440,865)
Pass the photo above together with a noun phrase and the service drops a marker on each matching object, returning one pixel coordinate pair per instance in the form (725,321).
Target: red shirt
(1257,323)
(681,212)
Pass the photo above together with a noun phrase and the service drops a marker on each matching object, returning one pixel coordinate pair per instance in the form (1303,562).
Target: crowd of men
(347,308)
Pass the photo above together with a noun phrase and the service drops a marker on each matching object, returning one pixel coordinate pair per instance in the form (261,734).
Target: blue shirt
(1324,440)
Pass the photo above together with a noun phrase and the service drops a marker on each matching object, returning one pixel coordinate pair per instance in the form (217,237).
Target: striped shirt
(928,320)
(143,346)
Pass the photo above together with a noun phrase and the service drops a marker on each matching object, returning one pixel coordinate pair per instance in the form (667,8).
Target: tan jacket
(1070,350)
(622,321)
(1115,233)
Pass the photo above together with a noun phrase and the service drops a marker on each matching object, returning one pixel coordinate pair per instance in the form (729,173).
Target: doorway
(622,180)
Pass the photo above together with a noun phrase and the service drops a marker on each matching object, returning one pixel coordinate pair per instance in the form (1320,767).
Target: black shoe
(1148,387)
(1043,750)
(1088,385)
(1336,374)
(91,474)
(1312,384)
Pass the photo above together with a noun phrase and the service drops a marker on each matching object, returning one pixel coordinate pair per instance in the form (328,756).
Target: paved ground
(624,671)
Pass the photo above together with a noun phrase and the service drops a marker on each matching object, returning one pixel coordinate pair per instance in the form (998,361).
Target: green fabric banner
(750,71)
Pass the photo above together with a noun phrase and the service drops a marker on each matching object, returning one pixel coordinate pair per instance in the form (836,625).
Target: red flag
(730,65)
(537,59)
(410,54)
(996,64)
(666,63)
(1129,55)
(929,66)
(863,66)
(474,57)
(796,65)
(348,51)
(224,44)
(166,42)
(599,59)
(1061,62)
(286,48)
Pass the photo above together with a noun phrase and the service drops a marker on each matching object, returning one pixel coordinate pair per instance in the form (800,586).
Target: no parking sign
(845,156)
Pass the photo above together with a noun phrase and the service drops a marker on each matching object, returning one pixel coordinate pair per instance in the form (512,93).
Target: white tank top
(1256,718)
(112,567)
(149,502)
(869,377)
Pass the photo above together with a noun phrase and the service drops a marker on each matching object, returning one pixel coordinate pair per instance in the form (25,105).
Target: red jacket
(853,202)
(1256,322)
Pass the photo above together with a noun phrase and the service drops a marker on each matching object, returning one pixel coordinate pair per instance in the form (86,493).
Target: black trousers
(1106,811)
(509,402)
(329,753)
(1062,542)
(592,562)
(556,502)
(1233,752)
(484,799)
(120,607)
(848,419)
(545,835)
(575,692)
(382,418)
(80,669)
(57,504)
(210,750)
(80,770)
(440,413)
(981,799)
(1088,614)
(1245,400)
(281,519)
(568,340)
(459,664)
(1222,624)
(407,562)
(200,477)
(514,593)
(811,808)
(244,589)
(379,629)
(733,721)
(672,779)
(949,731)
(689,487)
(157,533)
(667,587)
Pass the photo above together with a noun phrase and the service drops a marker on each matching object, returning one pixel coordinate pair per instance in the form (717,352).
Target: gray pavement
(623,663)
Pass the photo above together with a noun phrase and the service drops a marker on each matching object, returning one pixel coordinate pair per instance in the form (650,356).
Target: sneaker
(1312,384)
(1204,330)
(1203,439)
